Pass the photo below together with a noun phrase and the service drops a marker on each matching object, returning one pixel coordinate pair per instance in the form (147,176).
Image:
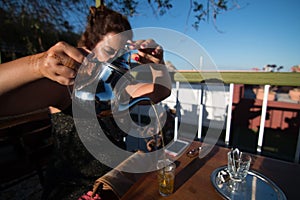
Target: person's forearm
(59,64)
(158,90)
(19,72)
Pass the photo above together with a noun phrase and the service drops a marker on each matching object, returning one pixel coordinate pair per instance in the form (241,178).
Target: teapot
(103,84)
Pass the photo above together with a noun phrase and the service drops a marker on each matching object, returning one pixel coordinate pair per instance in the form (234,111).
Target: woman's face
(109,46)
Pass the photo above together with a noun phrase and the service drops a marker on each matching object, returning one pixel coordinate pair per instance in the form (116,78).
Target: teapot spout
(132,103)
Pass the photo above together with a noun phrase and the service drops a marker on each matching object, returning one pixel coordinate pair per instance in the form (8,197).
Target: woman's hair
(101,21)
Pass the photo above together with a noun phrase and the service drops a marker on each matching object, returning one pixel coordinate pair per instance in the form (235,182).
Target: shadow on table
(188,171)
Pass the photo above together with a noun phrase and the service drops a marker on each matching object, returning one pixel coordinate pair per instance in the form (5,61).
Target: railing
(232,79)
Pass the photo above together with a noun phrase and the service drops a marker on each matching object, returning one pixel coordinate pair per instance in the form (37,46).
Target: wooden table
(193,182)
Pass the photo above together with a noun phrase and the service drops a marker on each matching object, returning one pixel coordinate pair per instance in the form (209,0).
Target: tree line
(32,26)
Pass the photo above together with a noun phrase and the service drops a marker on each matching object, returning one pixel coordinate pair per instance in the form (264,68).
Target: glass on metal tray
(255,185)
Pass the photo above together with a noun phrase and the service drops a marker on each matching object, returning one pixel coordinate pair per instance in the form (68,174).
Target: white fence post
(263,118)
(229,112)
(200,117)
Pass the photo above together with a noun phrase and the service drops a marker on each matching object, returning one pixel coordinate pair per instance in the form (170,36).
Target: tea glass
(166,176)
(238,168)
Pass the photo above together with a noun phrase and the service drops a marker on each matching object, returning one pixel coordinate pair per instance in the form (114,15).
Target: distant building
(295,68)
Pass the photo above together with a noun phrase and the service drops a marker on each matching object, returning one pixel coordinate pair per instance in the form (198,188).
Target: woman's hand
(60,63)
(148,51)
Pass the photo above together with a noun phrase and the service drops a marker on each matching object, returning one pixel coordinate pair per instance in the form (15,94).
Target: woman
(51,73)
(61,61)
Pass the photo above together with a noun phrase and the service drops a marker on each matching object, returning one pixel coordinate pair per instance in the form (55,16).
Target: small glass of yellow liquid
(166,177)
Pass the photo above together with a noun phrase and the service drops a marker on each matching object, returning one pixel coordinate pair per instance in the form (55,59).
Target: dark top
(73,169)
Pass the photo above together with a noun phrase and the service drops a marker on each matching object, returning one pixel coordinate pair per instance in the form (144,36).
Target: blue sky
(261,32)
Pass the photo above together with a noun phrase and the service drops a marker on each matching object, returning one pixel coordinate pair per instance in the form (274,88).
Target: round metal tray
(256,186)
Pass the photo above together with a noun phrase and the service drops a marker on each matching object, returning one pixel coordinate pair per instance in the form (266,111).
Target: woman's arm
(39,81)
(18,72)
(158,90)
(59,64)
